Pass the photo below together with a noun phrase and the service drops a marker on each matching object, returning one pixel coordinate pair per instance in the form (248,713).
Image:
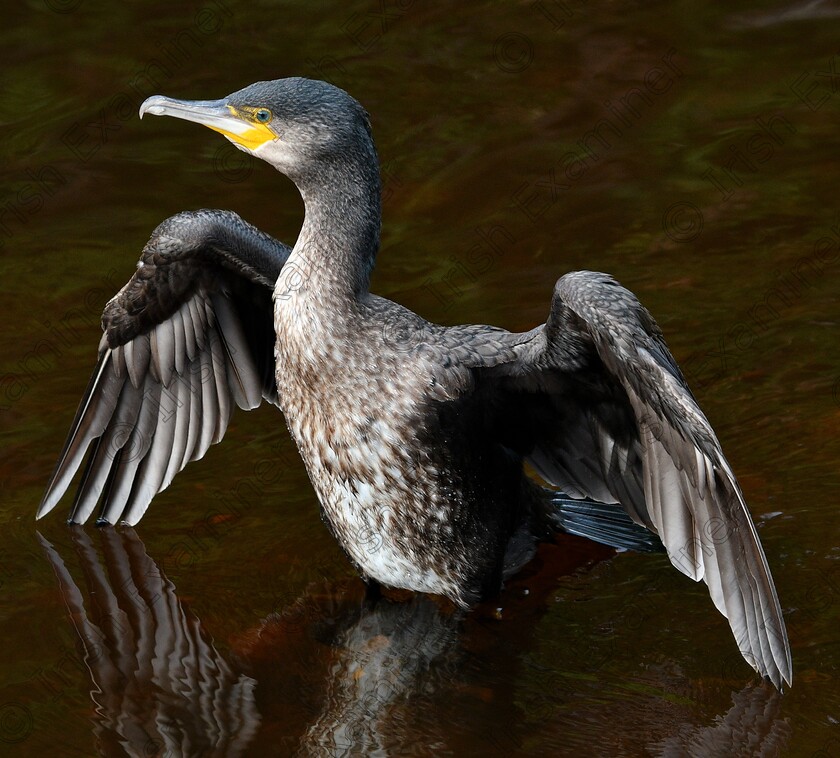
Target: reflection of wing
(188,336)
(750,727)
(596,403)
(160,686)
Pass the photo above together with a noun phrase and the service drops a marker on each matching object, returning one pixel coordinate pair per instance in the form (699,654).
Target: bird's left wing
(594,400)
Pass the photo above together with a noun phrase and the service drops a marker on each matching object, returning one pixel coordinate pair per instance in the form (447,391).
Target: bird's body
(415,436)
(417,494)
(355,434)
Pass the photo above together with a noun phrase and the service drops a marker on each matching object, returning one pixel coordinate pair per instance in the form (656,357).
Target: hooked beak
(218,115)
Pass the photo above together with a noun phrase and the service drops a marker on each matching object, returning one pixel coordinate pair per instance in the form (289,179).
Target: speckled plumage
(413,492)
(414,435)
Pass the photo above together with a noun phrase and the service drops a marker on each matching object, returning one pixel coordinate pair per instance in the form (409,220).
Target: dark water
(691,151)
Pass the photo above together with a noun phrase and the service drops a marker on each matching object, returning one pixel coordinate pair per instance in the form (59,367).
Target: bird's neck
(336,249)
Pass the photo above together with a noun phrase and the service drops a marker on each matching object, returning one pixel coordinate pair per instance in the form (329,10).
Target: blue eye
(263,115)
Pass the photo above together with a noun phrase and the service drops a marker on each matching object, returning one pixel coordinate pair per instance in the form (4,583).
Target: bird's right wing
(189,335)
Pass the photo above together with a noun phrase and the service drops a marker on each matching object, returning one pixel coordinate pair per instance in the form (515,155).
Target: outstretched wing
(596,403)
(189,335)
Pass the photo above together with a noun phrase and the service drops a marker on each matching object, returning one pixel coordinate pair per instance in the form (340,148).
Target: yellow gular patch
(251,135)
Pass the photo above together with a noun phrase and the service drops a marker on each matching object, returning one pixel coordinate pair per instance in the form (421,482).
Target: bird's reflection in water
(372,657)
(330,674)
(160,687)
(382,658)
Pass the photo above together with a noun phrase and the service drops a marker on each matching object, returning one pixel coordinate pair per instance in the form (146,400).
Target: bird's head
(294,124)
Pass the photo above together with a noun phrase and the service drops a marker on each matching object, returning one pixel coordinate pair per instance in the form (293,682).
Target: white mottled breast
(352,407)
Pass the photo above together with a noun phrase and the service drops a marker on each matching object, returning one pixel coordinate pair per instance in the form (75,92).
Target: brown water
(230,621)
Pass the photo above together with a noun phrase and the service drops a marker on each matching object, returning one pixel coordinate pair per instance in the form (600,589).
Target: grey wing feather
(691,495)
(608,415)
(149,425)
(189,336)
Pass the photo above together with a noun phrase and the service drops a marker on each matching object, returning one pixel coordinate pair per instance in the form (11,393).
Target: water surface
(689,150)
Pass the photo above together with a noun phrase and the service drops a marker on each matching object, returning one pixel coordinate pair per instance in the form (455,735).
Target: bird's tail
(602,522)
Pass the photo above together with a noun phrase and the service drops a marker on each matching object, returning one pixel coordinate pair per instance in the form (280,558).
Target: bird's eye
(263,115)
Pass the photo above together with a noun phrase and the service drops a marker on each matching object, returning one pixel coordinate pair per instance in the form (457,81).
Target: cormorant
(414,435)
